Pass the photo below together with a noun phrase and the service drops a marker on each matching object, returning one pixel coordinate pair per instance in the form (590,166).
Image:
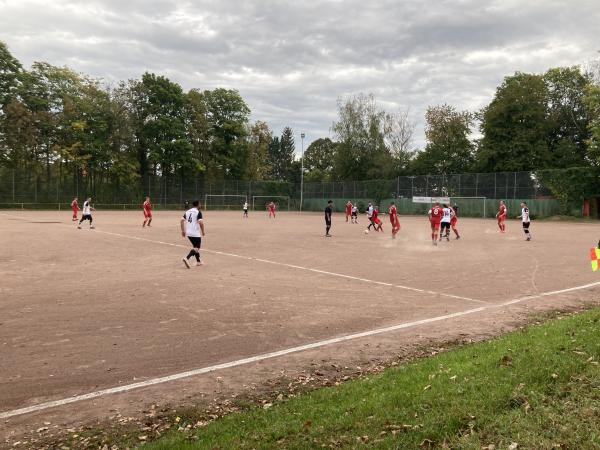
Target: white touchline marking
(271,355)
(278,353)
(308,269)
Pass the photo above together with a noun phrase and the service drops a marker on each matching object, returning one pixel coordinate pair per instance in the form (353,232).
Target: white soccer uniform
(192,227)
(354,210)
(370,212)
(245,206)
(446,215)
(87,209)
(525,215)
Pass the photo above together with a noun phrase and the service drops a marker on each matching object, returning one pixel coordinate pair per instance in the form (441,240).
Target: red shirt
(272,206)
(393,214)
(348,208)
(502,210)
(74,204)
(435,214)
(147,206)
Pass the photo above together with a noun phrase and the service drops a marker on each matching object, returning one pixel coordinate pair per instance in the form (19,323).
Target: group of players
(442,218)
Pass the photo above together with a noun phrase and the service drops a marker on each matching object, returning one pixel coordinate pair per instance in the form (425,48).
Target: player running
(394,219)
(435,218)
(245,209)
(271,207)
(354,217)
(454,220)
(74,208)
(87,213)
(501,216)
(370,216)
(526,220)
(445,223)
(192,227)
(348,210)
(328,212)
(147,212)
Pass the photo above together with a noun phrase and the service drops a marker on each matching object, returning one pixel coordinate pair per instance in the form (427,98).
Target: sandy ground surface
(85,310)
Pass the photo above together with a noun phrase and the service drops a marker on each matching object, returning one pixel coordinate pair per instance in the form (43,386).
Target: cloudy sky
(292,60)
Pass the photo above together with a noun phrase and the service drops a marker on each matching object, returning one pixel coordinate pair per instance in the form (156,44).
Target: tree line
(58,124)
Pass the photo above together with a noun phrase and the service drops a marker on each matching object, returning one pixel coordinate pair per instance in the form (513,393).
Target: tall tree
(257,158)
(319,158)
(514,127)
(10,71)
(568,121)
(448,148)
(281,155)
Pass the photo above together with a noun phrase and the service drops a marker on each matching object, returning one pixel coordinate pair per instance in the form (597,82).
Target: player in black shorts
(328,212)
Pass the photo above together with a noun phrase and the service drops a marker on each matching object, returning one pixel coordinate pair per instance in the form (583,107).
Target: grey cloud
(291,61)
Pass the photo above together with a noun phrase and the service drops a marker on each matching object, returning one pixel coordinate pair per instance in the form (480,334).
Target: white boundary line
(276,354)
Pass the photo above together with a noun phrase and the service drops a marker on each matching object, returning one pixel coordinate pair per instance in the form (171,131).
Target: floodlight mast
(302,136)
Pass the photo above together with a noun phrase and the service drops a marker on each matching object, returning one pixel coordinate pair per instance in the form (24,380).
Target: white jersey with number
(370,212)
(525,214)
(87,208)
(446,215)
(192,227)
(246,206)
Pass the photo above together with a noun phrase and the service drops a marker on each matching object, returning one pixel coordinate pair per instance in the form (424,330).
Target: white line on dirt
(271,355)
(300,348)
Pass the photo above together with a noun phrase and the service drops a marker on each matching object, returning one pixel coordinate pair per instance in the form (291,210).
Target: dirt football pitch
(104,320)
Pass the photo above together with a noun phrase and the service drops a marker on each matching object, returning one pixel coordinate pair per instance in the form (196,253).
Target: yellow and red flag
(595,257)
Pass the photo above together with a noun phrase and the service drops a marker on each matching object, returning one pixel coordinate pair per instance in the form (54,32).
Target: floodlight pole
(302,136)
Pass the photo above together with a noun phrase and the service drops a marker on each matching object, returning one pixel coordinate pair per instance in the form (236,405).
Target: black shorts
(328,222)
(526,225)
(354,214)
(86,217)
(196,241)
(445,225)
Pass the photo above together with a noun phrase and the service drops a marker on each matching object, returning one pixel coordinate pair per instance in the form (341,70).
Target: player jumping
(501,216)
(147,212)
(526,220)
(74,208)
(435,217)
(394,219)
(87,213)
(192,227)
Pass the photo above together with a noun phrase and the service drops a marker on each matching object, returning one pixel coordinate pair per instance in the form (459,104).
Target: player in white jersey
(525,219)
(192,227)
(87,213)
(445,224)
(354,216)
(245,208)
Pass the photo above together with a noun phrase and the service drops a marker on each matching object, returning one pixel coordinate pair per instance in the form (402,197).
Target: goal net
(221,201)
(261,201)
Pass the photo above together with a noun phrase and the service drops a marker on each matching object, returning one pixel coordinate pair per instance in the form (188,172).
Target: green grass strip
(538,388)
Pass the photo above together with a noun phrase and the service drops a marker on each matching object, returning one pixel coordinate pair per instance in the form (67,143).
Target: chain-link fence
(567,188)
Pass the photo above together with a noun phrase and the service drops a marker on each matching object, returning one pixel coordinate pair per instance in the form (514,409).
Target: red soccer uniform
(74,205)
(453,219)
(374,217)
(435,214)
(348,209)
(393,214)
(502,212)
(147,209)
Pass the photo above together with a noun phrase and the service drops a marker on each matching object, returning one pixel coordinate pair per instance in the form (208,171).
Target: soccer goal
(282,201)
(222,201)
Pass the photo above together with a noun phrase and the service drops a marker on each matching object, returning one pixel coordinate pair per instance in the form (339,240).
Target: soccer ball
(366,231)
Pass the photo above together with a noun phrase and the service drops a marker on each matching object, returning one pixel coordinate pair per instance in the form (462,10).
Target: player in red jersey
(454,220)
(348,210)
(501,216)
(147,212)
(394,220)
(74,208)
(376,220)
(435,218)
(271,207)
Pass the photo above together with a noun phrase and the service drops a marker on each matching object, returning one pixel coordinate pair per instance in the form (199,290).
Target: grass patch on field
(538,388)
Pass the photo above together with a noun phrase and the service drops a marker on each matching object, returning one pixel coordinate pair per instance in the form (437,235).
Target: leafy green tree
(449,149)
(319,159)
(281,155)
(568,121)
(256,160)
(10,71)
(514,126)
(361,132)
(592,103)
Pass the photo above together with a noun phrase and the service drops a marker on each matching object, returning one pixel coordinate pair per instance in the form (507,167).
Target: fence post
(476,183)
(495,184)
(426,185)
(13,185)
(515,187)
(397,187)
(459,192)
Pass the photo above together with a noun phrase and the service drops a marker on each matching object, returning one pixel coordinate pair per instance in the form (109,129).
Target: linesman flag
(595,257)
